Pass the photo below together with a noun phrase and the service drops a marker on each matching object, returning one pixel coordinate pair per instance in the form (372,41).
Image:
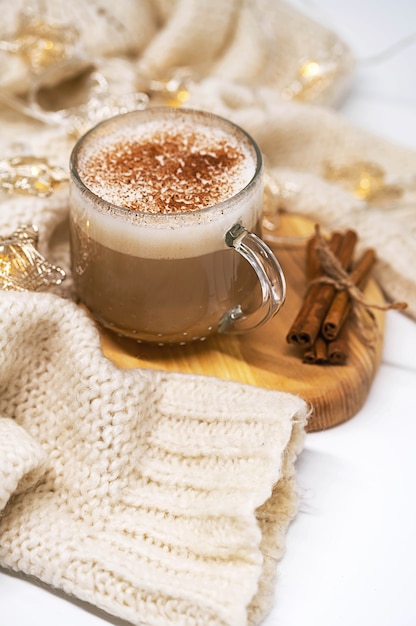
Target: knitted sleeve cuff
(166,496)
(22,460)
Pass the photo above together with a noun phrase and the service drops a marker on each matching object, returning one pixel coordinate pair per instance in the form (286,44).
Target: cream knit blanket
(160,498)
(163,498)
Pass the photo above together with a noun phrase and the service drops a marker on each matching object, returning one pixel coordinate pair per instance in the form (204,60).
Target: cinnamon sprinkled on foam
(160,169)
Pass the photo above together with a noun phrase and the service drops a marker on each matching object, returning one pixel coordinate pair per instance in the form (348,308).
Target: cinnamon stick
(337,350)
(317,301)
(341,303)
(317,353)
(313,264)
(296,333)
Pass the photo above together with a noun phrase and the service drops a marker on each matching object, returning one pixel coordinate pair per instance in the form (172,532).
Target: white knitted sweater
(160,498)
(164,498)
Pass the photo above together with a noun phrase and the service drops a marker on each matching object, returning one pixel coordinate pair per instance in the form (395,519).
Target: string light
(22,267)
(313,77)
(41,44)
(100,104)
(30,176)
(171,91)
(366,180)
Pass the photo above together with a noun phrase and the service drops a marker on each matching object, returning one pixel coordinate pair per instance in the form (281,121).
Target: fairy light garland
(46,48)
(41,44)
(22,267)
(30,176)
(365,180)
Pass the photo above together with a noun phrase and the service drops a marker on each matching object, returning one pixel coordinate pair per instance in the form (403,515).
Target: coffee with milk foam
(159,190)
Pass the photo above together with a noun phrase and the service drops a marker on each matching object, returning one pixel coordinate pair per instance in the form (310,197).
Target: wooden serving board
(263,357)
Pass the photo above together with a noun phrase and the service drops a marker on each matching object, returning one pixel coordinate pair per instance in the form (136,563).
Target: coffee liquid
(150,259)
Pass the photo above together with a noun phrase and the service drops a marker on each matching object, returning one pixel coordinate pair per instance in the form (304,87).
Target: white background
(351,552)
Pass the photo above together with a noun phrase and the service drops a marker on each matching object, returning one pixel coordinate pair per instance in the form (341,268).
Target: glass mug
(165,222)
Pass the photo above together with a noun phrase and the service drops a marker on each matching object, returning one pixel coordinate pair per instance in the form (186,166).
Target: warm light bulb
(22,267)
(310,70)
(366,180)
(30,175)
(41,44)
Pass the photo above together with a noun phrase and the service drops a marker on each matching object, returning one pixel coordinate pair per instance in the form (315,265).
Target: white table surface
(351,551)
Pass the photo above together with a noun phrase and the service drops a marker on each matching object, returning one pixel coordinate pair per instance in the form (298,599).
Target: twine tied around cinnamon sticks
(333,296)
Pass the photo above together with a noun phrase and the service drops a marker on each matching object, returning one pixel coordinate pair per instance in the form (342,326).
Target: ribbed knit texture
(160,498)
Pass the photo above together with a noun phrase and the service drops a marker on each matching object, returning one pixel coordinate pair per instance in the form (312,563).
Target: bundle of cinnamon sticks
(320,328)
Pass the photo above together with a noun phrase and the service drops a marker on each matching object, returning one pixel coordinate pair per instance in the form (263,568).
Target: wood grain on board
(263,357)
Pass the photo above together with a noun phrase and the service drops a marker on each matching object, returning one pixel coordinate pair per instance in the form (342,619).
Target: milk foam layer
(160,168)
(166,230)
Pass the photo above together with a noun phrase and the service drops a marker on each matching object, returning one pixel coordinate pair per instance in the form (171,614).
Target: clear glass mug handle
(271,279)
